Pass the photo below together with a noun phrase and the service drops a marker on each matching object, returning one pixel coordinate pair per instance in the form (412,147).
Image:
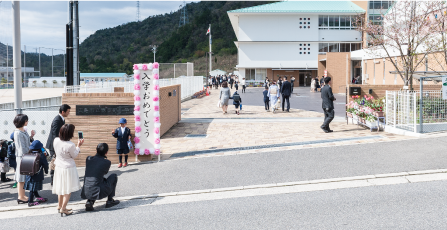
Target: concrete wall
(340,35)
(99,129)
(278,55)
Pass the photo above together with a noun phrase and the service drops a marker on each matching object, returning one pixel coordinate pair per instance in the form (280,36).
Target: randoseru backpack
(3,148)
(30,164)
(236,97)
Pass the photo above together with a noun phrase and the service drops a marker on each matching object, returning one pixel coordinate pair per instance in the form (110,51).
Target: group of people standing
(60,161)
(316,84)
(217,81)
(274,90)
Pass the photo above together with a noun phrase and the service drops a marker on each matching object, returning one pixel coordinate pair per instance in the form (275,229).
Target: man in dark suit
(328,104)
(96,186)
(56,125)
(286,91)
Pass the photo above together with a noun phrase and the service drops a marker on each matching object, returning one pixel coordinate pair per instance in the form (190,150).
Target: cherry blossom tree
(403,36)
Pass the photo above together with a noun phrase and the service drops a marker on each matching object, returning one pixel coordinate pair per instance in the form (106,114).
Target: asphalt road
(402,206)
(265,168)
(301,98)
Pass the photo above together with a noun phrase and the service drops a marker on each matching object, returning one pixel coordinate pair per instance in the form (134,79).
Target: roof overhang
(322,60)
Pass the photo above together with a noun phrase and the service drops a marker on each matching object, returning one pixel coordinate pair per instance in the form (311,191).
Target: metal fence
(411,111)
(175,70)
(34,103)
(189,86)
(39,120)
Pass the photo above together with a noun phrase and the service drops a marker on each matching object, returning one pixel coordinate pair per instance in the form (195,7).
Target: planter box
(349,114)
(379,114)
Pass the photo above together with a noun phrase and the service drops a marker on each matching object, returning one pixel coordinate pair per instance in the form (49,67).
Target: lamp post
(154,50)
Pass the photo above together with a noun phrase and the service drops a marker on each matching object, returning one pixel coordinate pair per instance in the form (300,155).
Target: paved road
(404,206)
(265,168)
(301,98)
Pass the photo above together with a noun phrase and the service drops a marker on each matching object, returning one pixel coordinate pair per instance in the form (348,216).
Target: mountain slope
(116,49)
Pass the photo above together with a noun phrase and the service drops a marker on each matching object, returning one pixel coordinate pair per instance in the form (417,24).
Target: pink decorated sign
(147,114)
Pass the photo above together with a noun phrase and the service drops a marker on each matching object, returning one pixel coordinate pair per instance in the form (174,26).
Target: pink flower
(156,119)
(137,151)
(137,76)
(157,130)
(157,140)
(135,67)
(137,118)
(156,108)
(137,140)
(136,86)
(372,97)
(155,98)
(157,152)
(147,152)
(156,77)
(137,98)
(144,67)
(155,65)
(156,87)
(137,129)
(137,108)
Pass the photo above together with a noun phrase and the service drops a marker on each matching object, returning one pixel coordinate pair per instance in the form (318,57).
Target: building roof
(102,74)
(304,7)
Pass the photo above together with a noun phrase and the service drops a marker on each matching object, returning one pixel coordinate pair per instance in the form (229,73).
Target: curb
(249,187)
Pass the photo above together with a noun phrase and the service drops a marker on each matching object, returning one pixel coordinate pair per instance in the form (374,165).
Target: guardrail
(57,101)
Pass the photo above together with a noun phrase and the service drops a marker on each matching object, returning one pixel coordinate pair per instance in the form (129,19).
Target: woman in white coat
(273,94)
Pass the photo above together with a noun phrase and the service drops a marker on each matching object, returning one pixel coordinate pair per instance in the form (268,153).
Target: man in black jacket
(96,186)
(286,90)
(328,104)
(56,125)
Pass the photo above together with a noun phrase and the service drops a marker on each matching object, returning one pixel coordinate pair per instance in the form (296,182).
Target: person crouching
(34,183)
(96,186)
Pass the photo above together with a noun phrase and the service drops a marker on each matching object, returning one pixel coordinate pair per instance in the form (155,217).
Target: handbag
(52,164)
(240,106)
(129,144)
(30,163)
(219,104)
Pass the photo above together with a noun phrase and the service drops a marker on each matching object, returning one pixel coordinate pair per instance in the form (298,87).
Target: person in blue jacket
(12,156)
(34,183)
(123,135)
(266,98)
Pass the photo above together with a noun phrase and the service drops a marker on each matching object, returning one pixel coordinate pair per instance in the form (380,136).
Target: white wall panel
(277,55)
(277,27)
(340,35)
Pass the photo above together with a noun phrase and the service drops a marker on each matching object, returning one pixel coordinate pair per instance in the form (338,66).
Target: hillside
(116,49)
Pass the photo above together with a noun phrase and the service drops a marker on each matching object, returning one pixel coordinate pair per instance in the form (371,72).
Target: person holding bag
(34,183)
(66,179)
(22,142)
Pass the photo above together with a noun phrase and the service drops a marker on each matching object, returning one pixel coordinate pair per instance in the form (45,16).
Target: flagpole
(211,63)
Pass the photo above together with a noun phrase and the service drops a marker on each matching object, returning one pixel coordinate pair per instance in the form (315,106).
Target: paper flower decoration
(157,125)
(156,108)
(150,66)
(136,92)
(156,114)
(137,140)
(136,86)
(144,67)
(156,130)
(137,103)
(157,140)
(136,72)
(156,93)
(137,129)
(137,123)
(156,76)
(137,98)
(137,108)
(138,146)
(152,150)
(155,71)
(156,87)
(137,118)
(147,152)
(157,152)
(155,98)
(138,134)
(135,67)
(157,146)
(136,76)
(136,113)
(155,65)
(137,151)
(156,119)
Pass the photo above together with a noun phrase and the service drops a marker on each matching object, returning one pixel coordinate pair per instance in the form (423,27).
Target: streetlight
(154,50)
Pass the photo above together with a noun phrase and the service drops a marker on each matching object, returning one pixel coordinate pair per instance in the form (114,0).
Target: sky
(43,22)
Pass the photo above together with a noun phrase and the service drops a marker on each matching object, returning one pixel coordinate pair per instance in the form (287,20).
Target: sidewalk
(254,128)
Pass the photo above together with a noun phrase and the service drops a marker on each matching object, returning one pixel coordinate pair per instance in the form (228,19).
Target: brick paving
(231,130)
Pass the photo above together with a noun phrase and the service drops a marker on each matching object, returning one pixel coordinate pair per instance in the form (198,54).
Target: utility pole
(138,11)
(154,50)
(211,63)
(69,44)
(76,79)
(16,53)
(7,64)
(40,70)
(24,63)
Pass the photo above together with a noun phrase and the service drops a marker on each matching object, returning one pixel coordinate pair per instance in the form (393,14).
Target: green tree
(54,83)
(44,82)
(215,59)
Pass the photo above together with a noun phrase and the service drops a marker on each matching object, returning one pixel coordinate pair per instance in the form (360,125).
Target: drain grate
(196,136)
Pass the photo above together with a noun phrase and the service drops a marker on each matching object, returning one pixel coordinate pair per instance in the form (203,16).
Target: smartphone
(81,135)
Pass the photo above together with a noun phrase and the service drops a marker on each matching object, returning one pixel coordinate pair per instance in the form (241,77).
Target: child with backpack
(4,161)
(237,100)
(123,135)
(34,183)
(12,156)
(266,98)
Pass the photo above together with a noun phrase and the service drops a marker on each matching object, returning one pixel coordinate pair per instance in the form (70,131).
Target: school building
(302,39)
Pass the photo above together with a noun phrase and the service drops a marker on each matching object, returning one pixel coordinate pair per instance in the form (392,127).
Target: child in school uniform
(12,157)
(34,183)
(123,135)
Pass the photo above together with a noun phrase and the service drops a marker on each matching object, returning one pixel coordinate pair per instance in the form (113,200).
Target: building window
(335,22)
(301,48)
(300,52)
(304,22)
(301,27)
(308,18)
(261,74)
(301,22)
(308,22)
(301,44)
(250,74)
(345,47)
(304,27)
(308,27)
(308,48)
(308,52)
(304,18)
(301,18)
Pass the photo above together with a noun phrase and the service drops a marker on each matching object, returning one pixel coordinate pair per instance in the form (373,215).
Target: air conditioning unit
(365,76)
